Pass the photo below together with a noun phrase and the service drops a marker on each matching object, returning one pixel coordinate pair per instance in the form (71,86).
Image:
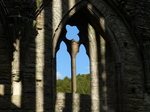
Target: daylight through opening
(72,72)
(72,32)
(63,70)
(83,72)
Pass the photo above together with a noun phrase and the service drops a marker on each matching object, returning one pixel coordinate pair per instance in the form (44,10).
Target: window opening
(82,61)
(69,66)
(83,72)
(63,83)
(72,32)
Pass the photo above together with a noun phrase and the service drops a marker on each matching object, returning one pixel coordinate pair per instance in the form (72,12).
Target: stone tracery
(118,61)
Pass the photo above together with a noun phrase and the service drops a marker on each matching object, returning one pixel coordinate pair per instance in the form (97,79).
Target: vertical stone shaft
(74,51)
(73,73)
(94,71)
(16,60)
(16,83)
(40,64)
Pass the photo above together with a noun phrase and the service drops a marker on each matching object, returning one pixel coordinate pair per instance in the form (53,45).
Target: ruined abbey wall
(116,36)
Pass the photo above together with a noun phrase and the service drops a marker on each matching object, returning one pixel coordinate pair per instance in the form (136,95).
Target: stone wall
(72,102)
(5,68)
(28,45)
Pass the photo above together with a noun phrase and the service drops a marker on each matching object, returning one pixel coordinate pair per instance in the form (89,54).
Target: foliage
(39,3)
(83,84)
(64,85)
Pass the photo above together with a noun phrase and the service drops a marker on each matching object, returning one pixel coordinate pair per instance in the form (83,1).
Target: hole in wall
(125,44)
(38,80)
(133,90)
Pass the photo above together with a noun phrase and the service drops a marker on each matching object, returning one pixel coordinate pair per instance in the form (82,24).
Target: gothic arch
(92,11)
(110,29)
(108,24)
(118,49)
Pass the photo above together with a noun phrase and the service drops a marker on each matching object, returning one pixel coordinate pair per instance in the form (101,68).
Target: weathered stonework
(116,37)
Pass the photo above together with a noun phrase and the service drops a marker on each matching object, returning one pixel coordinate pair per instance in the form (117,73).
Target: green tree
(83,84)
(64,85)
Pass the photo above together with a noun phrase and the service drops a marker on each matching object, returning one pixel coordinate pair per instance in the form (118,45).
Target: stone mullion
(73,74)
(73,49)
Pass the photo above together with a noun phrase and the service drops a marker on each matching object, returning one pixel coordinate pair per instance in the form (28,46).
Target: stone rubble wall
(76,102)
(36,69)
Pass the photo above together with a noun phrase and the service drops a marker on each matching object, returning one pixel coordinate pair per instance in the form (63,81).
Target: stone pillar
(73,74)
(16,83)
(94,70)
(74,51)
(16,61)
(40,64)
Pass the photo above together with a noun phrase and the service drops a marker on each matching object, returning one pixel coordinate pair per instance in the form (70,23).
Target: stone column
(74,51)
(16,61)
(16,83)
(40,64)
(95,99)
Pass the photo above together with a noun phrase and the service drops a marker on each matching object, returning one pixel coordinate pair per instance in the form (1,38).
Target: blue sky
(64,60)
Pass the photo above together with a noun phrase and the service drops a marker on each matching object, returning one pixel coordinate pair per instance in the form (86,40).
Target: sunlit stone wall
(123,58)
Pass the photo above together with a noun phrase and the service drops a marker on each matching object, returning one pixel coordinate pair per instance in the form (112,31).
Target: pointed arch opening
(90,33)
(63,62)
(83,72)
(100,62)
(79,63)
(63,83)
